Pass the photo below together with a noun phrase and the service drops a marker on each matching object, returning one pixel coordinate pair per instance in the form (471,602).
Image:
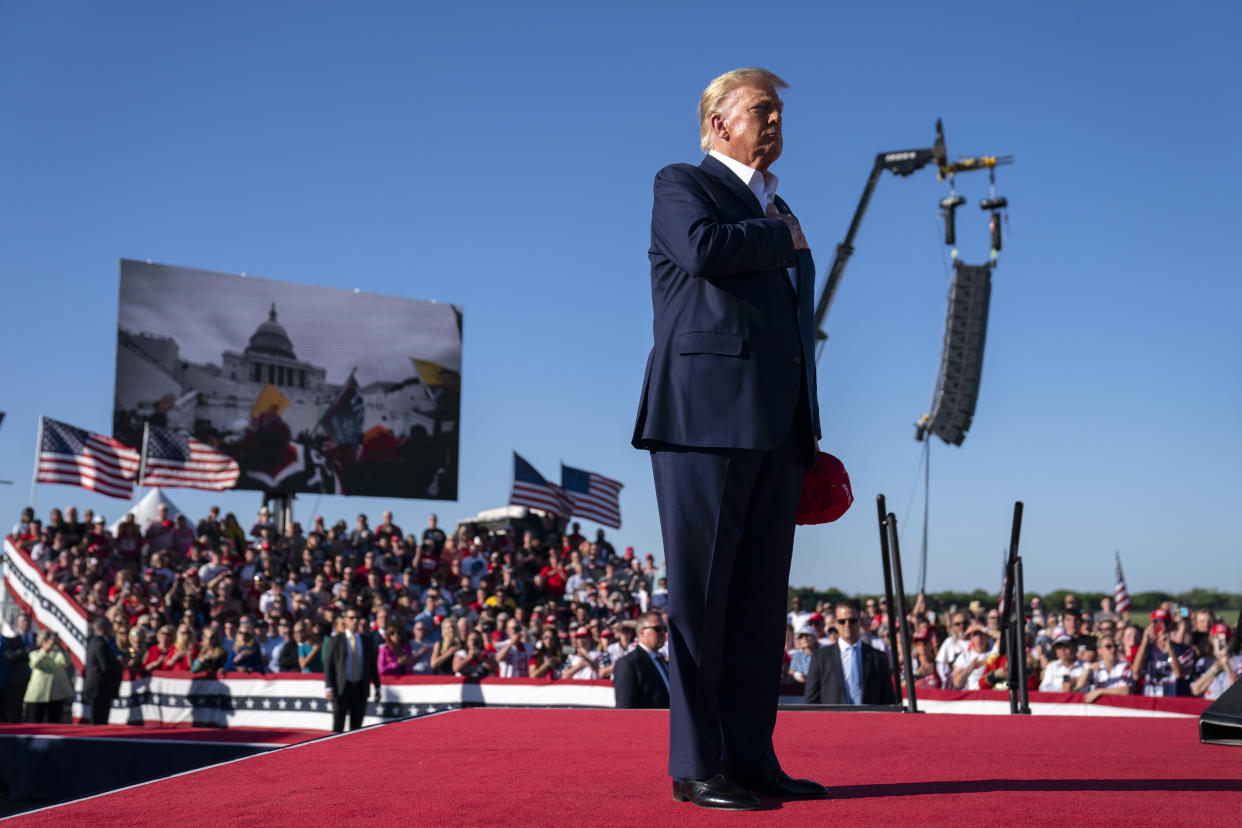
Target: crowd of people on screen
(216,597)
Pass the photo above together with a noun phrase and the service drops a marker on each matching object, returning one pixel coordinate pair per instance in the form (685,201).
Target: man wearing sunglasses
(351,665)
(852,672)
(640,678)
(953,646)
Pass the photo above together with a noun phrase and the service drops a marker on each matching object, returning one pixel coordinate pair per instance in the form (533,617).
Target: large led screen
(310,389)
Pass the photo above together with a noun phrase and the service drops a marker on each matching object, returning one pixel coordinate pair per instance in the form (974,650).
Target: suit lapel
(734,184)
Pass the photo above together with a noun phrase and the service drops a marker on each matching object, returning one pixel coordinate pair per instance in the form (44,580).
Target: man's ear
(719,128)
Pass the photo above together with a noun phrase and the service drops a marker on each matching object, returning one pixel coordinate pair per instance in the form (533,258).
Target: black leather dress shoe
(781,785)
(717,791)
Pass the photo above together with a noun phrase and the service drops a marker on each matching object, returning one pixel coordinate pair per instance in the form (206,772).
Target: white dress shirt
(763,184)
(851,670)
(760,182)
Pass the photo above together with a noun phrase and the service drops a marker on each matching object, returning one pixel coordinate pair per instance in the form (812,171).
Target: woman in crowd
(310,648)
(233,532)
(247,654)
(133,652)
(211,656)
(473,660)
(181,656)
(445,649)
(395,656)
(158,652)
(287,661)
(129,541)
(49,684)
(1109,675)
(549,657)
(1224,663)
(925,673)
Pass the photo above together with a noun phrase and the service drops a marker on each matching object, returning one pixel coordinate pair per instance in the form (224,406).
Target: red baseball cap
(826,492)
(1160,614)
(1220,629)
(582,632)
(813,617)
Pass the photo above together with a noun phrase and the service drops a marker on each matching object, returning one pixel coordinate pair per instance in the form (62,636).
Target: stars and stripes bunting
(530,489)
(1121,595)
(176,460)
(82,458)
(594,496)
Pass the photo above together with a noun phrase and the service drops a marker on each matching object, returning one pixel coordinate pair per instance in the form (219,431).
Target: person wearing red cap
(584,662)
(1160,663)
(1224,664)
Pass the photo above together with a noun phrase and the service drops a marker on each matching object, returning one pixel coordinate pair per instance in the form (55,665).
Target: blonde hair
(719,90)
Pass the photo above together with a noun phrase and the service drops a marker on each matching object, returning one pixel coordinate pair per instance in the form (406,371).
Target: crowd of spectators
(1179,652)
(215,597)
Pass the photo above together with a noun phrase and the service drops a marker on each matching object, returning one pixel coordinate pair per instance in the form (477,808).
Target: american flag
(1121,595)
(176,460)
(82,458)
(530,489)
(594,496)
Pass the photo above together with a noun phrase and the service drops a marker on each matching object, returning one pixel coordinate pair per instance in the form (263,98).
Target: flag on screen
(530,489)
(82,458)
(343,422)
(1121,595)
(594,496)
(436,375)
(176,460)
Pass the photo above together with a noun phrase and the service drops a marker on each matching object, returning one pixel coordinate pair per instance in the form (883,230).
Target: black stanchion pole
(894,550)
(1012,648)
(1024,699)
(881,513)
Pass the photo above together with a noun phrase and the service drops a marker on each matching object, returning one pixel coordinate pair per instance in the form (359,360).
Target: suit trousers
(351,700)
(101,708)
(727,521)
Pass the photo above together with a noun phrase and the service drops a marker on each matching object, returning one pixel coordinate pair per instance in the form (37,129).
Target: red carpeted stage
(558,766)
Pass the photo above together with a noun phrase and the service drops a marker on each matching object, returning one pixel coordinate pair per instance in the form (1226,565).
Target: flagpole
(142,458)
(34,478)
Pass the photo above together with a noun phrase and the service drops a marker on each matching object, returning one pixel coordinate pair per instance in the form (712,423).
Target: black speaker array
(961,362)
(1221,723)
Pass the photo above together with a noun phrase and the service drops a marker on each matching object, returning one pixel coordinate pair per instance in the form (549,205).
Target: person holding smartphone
(1226,664)
(1161,663)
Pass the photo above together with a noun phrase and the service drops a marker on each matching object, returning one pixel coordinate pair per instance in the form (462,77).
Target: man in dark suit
(640,678)
(730,415)
(102,671)
(350,666)
(850,671)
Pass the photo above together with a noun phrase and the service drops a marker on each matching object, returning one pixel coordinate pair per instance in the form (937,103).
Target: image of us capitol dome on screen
(310,389)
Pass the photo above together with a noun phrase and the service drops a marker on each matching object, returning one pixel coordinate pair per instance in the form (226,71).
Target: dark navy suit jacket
(825,682)
(731,347)
(637,681)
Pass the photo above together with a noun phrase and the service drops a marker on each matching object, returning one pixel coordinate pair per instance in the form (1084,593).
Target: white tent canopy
(145,509)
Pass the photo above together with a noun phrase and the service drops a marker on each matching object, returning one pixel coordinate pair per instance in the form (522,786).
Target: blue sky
(500,157)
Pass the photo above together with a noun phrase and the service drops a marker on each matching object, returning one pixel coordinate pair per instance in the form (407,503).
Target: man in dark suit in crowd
(640,678)
(350,666)
(729,413)
(15,648)
(101,674)
(851,671)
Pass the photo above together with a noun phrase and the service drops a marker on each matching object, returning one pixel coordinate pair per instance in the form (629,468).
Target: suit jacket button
(798,360)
